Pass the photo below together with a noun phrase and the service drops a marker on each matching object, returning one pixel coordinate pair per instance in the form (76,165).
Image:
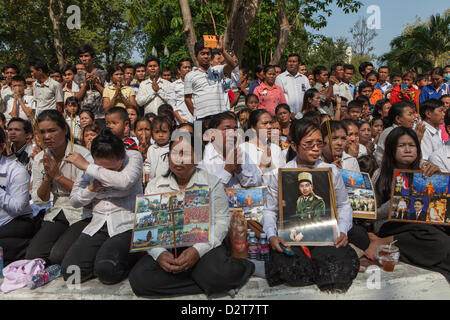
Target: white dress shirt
(342,89)
(115,202)
(14,190)
(431,141)
(176,100)
(27,100)
(61,199)
(294,88)
(157,162)
(219,206)
(254,154)
(151,100)
(271,208)
(214,164)
(6,94)
(441,157)
(349,162)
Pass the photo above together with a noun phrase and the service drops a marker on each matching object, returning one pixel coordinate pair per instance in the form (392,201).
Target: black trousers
(101,256)
(15,237)
(358,236)
(54,239)
(215,272)
(423,245)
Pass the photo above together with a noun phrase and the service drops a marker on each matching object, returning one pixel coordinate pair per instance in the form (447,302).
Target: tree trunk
(189,31)
(239,23)
(57,39)
(283,34)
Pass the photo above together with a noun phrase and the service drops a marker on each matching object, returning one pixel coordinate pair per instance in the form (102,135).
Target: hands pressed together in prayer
(187,260)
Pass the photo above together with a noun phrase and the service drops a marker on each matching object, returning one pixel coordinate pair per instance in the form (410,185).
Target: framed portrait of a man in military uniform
(307,206)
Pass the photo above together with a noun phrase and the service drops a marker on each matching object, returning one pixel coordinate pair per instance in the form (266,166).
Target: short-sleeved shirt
(6,94)
(92,99)
(207,91)
(269,98)
(27,100)
(47,94)
(127,92)
(294,88)
(176,100)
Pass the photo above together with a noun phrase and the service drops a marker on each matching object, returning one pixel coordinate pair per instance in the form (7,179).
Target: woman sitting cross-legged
(204,267)
(52,176)
(110,185)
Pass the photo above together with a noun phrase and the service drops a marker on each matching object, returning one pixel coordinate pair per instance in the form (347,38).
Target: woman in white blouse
(266,157)
(102,250)
(52,175)
(205,267)
(331,267)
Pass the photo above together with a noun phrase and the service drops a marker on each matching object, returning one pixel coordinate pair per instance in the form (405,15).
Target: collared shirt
(92,99)
(14,190)
(157,162)
(255,153)
(352,89)
(441,158)
(323,97)
(176,100)
(47,94)
(386,86)
(269,98)
(219,206)
(214,164)
(349,162)
(23,156)
(115,202)
(151,100)
(294,88)
(431,141)
(126,91)
(208,91)
(342,89)
(430,92)
(27,100)
(60,195)
(271,205)
(380,144)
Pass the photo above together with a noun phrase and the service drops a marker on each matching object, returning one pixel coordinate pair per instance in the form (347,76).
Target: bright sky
(395,16)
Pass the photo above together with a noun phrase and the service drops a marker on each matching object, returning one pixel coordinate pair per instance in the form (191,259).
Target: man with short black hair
(91,84)
(364,68)
(8,71)
(383,76)
(154,91)
(293,83)
(349,70)
(203,90)
(47,93)
(19,134)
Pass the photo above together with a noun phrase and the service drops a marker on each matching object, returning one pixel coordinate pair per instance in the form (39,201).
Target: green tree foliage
(422,47)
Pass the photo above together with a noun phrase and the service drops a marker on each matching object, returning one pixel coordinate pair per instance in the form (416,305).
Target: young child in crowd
(377,94)
(88,134)
(252,102)
(406,90)
(432,113)
(354,110)
(20,106)
(243,116)
(157,162)
(71,109)
(117,120)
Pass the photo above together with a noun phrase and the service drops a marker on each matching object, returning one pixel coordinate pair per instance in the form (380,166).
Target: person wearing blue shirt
(437,88)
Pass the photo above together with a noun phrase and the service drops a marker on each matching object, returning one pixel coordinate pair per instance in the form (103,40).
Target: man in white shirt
(340,88)
(204,89)
(21,105)
(8,71)
(223,158)
(48,93)
(154,91)
(176,93)
(16,225)
(293,83)
(432,112)
(441,157)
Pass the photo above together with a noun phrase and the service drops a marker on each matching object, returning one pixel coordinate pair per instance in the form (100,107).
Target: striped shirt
(207,91)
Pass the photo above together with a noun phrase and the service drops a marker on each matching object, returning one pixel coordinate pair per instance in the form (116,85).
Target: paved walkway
(406,282)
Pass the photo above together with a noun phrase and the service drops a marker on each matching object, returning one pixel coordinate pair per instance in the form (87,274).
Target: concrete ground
(406,282)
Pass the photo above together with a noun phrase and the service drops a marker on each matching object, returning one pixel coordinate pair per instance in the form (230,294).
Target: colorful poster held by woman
(166,220)
(307,206)
(420,199)
(360,193)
